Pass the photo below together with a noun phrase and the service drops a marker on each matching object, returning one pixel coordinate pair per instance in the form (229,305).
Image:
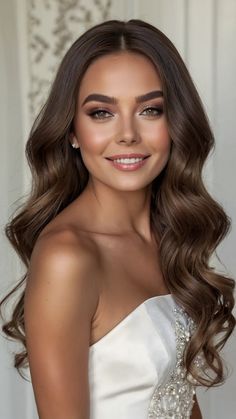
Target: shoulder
(69,245)
(67,262)
(66,246)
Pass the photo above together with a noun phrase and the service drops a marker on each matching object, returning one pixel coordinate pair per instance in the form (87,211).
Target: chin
(129,186)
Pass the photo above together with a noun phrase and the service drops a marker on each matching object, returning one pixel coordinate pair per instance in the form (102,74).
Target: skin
(99,249)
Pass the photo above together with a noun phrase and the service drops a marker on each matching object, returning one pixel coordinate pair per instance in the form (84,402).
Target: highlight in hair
(186,220)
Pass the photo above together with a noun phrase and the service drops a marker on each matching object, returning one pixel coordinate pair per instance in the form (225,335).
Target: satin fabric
(133,358)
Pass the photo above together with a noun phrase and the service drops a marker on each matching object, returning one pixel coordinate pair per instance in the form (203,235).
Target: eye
(99,114)
(152,111)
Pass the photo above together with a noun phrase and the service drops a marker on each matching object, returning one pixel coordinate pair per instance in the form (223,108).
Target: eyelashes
(153,110)
(150,111)
(100,114)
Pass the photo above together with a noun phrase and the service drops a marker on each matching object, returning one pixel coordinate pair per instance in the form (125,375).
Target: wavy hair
(186,220)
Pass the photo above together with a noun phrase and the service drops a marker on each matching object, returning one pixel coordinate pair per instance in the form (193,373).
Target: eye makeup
(101,113)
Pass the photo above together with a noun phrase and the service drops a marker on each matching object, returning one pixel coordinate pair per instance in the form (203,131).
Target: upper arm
(60,300)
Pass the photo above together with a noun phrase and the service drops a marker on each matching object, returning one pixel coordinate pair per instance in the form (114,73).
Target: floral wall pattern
(53,25)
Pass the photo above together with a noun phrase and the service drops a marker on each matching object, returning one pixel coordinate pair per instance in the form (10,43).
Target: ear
(73,140)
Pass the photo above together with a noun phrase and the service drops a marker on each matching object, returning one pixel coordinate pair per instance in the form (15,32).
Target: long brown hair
(189,223)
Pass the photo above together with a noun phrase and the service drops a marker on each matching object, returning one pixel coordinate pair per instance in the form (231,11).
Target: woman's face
(120,112)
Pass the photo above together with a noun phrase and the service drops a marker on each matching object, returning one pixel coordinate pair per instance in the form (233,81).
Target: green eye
(152,111)
(100,114)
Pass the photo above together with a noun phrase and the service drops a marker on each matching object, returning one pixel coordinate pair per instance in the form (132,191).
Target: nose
(128,133)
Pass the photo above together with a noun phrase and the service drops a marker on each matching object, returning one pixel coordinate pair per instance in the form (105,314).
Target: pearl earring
(74,146)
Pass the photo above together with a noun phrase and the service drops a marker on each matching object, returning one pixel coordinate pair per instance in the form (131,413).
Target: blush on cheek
(94,136)
(156,134)
(165,142)
(161,141)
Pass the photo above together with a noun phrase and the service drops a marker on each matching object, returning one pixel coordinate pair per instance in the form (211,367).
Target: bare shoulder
(61,297)
(71,243)
(66,259)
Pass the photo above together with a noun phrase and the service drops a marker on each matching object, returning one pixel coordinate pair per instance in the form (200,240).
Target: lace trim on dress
(174,399)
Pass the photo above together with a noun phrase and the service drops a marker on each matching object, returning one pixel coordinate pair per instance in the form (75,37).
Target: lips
(127,156)
(127,165)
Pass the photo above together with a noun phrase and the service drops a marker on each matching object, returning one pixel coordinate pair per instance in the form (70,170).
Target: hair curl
(189,223)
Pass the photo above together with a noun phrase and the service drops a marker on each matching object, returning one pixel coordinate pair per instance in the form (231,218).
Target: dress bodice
(135,370)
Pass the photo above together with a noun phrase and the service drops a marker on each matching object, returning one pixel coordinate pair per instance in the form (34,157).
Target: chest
(130,273)
(131,267)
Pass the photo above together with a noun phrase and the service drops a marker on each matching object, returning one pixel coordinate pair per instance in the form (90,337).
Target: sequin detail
(174,399)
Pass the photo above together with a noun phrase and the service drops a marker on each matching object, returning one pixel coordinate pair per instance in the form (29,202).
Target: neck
(119,212)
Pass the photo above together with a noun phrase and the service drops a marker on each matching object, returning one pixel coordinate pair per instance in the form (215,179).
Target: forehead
(120,74)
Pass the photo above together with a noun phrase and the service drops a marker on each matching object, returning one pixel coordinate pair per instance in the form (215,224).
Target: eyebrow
(113,101)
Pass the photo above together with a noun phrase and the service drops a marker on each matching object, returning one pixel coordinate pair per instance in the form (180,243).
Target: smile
(128,164)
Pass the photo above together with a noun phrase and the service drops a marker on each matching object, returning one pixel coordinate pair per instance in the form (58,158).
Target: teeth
(128,161)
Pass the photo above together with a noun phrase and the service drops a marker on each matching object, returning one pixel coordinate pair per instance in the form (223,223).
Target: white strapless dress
(136,371)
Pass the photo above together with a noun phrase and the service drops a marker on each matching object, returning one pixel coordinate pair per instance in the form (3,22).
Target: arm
(196,412)
(60,301)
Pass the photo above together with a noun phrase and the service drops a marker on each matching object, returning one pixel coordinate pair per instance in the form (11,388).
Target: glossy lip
(127,156)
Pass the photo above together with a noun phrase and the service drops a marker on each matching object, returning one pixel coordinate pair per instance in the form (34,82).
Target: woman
(121,315)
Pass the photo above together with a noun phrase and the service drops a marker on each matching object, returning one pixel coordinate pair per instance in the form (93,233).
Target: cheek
(91,136)
(158,137)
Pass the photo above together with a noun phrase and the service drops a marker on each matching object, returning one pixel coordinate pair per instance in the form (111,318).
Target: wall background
(33,37)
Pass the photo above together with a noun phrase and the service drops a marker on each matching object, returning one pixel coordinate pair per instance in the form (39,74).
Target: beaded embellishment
(174,399)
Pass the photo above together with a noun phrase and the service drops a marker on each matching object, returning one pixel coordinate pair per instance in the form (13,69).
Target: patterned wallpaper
(53,25)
